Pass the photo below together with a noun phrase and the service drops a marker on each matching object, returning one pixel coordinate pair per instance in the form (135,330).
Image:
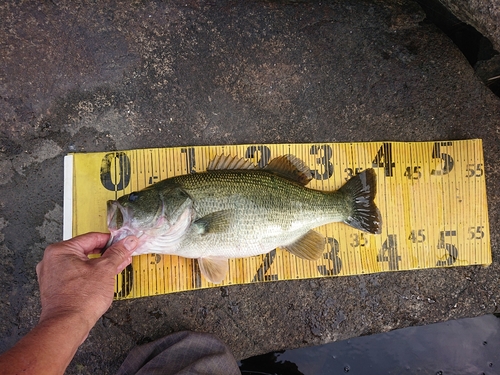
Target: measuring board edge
(263,258)
(68,197)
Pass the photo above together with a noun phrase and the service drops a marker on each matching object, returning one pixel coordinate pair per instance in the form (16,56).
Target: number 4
(384,159)
(389,252)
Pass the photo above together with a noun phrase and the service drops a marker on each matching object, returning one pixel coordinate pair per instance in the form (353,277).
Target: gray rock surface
(86,76)
(483,15)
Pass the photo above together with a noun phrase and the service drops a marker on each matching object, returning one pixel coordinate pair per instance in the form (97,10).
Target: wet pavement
(84,76)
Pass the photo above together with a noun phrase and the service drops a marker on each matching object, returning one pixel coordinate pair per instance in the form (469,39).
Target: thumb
(119,255)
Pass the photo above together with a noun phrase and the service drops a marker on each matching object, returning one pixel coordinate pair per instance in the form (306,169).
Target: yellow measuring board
(432,197)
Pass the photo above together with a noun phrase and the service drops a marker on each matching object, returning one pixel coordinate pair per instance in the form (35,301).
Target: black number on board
(325,154)
(383,159)
(262,153)
(127,281)
(333,257)
(417,236)
(190,159)
(357,240)
(155,258)
(116,178)
(414,173)
(474,170)
(152,179)
(389,252)
(447,161)
(476,233)
(351,172)
(452,251)
(264,267)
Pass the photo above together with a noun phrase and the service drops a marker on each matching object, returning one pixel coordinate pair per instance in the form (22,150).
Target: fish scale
(262,203)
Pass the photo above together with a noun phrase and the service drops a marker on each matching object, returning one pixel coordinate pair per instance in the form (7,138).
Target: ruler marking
(471,159)
(450,253)
(421,229)
(483,217)
(420,225)
(411,235)
(426,197)
(462,209)
(405,224)
(474,186)
(453,206)
(478,216)
(354,236)
(476,190)
(423,236)
(458,180)
(435,221)
(444,188)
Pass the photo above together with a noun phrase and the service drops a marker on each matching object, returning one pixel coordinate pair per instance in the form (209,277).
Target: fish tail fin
(361,191)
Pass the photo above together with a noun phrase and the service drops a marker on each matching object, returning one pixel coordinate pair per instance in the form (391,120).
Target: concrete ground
(86,76)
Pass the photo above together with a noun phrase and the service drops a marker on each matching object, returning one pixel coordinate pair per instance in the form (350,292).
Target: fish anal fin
(214,268)
(215,222)
(224,162)
(310,246)
(291,168)
(361,191)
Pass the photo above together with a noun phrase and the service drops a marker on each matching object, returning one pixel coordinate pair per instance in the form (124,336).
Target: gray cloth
(181,353)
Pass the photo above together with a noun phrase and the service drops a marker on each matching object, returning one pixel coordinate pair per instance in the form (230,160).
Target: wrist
(75,324)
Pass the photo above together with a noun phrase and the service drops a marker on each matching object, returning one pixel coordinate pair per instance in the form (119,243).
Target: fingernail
(130,243)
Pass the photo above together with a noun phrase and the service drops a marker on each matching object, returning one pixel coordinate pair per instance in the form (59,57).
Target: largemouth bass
(234,210)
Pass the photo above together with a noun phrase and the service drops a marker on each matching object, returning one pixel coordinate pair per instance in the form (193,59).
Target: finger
(122,266)
(38,268)
(89,242)
(120,252)
(92,241)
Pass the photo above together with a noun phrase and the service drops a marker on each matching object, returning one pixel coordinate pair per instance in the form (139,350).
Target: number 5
(451,249)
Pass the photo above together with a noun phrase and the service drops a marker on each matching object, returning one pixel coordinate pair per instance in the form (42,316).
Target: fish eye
(133,197)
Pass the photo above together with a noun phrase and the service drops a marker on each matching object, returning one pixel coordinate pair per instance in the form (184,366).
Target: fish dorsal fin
(229,162)
(310,246)
(213,268)
(291,168)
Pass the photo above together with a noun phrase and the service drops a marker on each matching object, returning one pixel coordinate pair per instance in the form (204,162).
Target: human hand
(71,284)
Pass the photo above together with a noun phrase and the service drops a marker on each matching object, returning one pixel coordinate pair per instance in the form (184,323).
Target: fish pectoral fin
(310,246)
(213,268)
(291,168)
(215,222)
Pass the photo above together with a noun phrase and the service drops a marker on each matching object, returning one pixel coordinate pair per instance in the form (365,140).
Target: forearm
(75,291)
(48,348)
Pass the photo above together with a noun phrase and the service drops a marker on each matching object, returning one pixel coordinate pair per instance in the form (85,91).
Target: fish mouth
(115,221)
(115,215)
